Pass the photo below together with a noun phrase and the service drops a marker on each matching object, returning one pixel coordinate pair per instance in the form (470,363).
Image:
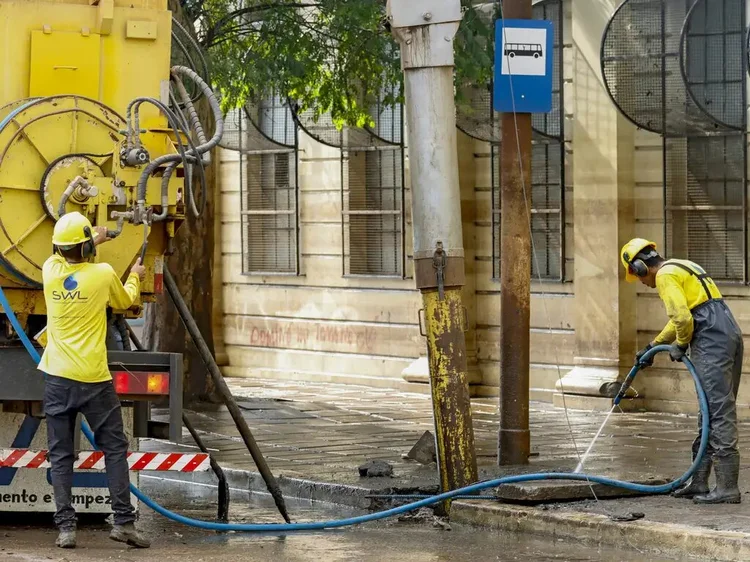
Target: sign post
(523,85)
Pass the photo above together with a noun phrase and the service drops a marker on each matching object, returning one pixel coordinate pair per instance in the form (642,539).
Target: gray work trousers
(716,351)
(98,402)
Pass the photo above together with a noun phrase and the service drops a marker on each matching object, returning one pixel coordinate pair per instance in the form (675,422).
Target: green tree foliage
(328,55)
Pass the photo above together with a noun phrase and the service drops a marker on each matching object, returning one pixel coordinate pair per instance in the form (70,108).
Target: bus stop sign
(523,66)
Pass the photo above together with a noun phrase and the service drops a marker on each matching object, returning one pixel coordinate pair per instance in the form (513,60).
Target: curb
(298,488)
(599,530)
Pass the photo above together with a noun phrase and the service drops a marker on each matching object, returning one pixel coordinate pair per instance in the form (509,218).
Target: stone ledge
(552,491)
(598,530)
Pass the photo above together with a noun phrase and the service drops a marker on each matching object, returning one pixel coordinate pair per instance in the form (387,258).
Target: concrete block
(550,491)
(424,450)
(375,469)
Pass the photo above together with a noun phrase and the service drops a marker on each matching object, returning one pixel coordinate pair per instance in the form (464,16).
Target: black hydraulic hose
(195,122)
(213,102)
(136,342)
(226,394)
(184,155)
(122,327)
(201,168)
(222,514)
(200,149)
(196,47)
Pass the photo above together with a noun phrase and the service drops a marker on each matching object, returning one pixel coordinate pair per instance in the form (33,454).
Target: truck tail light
(141,384)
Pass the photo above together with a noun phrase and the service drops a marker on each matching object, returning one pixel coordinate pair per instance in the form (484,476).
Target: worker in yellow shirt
(77,293)
(699,320)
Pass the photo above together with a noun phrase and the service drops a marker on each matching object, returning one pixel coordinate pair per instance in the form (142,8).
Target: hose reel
(70,153)
(46,144)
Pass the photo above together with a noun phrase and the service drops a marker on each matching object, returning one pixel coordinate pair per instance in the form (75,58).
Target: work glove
(677,352)
(641,353)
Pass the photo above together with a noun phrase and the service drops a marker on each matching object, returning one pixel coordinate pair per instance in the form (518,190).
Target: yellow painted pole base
(451,405)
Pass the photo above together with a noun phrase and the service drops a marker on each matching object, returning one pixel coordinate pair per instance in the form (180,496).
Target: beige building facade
(315,244)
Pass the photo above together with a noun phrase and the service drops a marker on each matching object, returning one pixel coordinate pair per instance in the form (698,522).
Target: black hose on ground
(222,514)
(226,395)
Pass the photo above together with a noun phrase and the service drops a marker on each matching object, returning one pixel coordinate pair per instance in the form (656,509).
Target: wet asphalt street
(405,541)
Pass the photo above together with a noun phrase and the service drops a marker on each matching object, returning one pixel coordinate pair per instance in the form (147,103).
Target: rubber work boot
(727,472)
(130,535)
(698,484)
(66,539)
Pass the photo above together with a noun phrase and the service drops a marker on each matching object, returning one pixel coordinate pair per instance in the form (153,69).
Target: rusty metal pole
(425,30)
(514,438)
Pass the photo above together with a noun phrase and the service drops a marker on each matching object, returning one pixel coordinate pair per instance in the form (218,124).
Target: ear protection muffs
(88,249)
(638,267)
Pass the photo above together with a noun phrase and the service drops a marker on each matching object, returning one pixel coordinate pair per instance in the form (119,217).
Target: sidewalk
(315,436)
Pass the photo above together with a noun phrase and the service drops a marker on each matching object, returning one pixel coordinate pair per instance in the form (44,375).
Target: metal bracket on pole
(425,29)
(438,262)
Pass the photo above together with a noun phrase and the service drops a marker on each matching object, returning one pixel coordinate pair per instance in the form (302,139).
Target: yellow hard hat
(630,251)
(71,229)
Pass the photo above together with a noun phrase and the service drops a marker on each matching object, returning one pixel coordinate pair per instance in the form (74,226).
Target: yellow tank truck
(94,119)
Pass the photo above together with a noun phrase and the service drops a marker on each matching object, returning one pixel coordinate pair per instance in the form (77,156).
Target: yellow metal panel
(141,29)
(129,68)
(64,63)
(136,68)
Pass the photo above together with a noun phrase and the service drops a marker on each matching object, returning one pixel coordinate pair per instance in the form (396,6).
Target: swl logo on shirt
(70,294)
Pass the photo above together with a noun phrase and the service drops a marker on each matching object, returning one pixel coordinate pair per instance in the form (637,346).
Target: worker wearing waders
(699,320)
(77,294)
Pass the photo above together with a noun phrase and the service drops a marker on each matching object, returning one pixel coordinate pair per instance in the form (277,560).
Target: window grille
(547,210)
(677,68)
(268,188)
(373,197)
(706,173)
(372,200)
(705,203)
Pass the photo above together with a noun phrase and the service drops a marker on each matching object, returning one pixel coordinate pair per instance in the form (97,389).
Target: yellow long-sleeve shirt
(681,292)
(77,296)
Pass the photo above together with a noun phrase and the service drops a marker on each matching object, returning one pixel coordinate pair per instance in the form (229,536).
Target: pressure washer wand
(626,385)
(643,363)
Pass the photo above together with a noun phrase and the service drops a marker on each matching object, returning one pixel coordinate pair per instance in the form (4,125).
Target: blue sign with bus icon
(523,66)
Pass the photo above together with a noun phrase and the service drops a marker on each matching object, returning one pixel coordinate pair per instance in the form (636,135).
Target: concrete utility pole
(514,438)
(425,30)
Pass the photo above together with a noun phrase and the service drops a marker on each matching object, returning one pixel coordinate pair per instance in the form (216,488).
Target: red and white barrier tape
(94,460)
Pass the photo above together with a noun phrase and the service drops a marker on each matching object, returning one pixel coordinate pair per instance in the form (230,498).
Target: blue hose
(319,525)
(284,527)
